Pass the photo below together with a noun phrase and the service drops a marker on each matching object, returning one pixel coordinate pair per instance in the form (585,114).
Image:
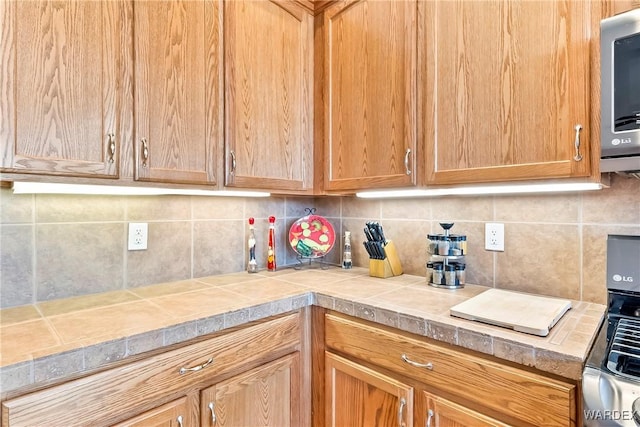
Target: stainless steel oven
(611,377)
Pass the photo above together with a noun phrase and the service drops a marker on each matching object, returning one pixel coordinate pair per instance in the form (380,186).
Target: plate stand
(307,261)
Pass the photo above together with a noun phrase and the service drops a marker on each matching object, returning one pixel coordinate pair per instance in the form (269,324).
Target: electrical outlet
(138,232)
(494,237)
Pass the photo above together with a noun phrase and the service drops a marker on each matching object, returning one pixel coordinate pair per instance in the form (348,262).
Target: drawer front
(524,395)
(105,396)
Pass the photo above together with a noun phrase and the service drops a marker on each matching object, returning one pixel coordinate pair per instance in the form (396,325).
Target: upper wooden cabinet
(506,84)
(62,107)
(178,94)
(370,51)
(268,100)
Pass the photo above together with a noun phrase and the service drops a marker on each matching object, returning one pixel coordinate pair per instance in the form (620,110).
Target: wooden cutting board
(532,314)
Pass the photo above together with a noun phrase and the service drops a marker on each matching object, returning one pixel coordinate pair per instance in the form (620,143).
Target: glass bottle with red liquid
(271,251)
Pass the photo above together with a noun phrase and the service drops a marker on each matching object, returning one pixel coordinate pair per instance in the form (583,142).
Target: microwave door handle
(627,120)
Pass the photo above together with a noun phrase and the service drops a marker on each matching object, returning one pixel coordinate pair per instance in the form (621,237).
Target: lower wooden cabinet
(370,368)
(179,413)
(268,396)
(357,396)
(274,373)
(251,375)
(441,412)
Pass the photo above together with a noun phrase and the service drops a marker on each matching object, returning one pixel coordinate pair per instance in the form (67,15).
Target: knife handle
(367,234)
(374,233)
(366,246)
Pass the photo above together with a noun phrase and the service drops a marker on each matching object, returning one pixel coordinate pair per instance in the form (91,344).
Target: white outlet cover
(494,236)
(138,232)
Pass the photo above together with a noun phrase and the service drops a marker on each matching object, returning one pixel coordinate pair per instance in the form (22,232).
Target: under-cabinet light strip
(22,187)
(478,190)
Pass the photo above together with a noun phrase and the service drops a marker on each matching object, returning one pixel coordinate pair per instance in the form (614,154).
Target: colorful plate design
(312,236)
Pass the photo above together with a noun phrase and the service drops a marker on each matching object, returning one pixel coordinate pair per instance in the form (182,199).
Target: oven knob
(635,410)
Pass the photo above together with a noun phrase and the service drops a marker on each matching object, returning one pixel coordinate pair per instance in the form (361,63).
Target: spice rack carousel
(446,266)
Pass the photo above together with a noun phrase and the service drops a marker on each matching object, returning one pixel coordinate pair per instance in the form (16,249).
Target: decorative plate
(312,236)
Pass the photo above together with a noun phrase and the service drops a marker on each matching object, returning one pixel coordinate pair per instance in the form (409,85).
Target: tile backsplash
(54,246)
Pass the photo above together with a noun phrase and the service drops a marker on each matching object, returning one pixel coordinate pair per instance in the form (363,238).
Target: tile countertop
(51,340)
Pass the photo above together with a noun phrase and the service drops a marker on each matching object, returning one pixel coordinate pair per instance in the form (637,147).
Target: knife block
(387,267)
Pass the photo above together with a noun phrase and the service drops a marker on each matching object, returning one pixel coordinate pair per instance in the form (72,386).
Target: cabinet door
(61,75)
(178,101)
(269,104)
(444,413)
(506,83)
(268,395)
(182,412)
(370,94)
(358,396)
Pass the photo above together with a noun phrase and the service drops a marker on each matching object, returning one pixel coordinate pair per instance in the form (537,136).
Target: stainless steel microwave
(620,91)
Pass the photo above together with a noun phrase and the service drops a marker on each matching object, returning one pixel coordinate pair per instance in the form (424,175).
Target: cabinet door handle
(213,414)
(428,366)
(403,403)
(196,368)
(233,161)
(145,152)
(406,161)
(429,418)
(578,156)
(112,146)
(179,420)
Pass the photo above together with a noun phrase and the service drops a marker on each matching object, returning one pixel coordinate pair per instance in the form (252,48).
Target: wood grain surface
(370,94)
(506,82)
(269,102)
(124,392)
(266,396)
(449,414)
(527,396)
(185,408)
(358,396)
(61,72)
(178,75)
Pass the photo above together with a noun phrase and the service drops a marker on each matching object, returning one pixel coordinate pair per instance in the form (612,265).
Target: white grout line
(34,250)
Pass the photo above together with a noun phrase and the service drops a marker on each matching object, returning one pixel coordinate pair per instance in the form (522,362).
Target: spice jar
(443,245)
(437,273)
(454,248)
(463,244)
(460,273)
(432,246)
(450,275)
(429,270)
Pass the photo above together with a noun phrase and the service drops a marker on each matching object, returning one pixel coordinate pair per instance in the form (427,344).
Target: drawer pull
(428,366)
(403,403)
(406,161)
(196,368)
(233,161)
(213,414)
(429,418)
(112,146)
(179,420)
(145,152)
(576,143)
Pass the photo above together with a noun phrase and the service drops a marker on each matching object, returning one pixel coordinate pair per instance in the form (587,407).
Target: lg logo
(619,278)
(618,141)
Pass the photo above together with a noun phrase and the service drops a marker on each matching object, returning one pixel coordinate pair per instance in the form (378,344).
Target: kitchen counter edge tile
(539,352)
